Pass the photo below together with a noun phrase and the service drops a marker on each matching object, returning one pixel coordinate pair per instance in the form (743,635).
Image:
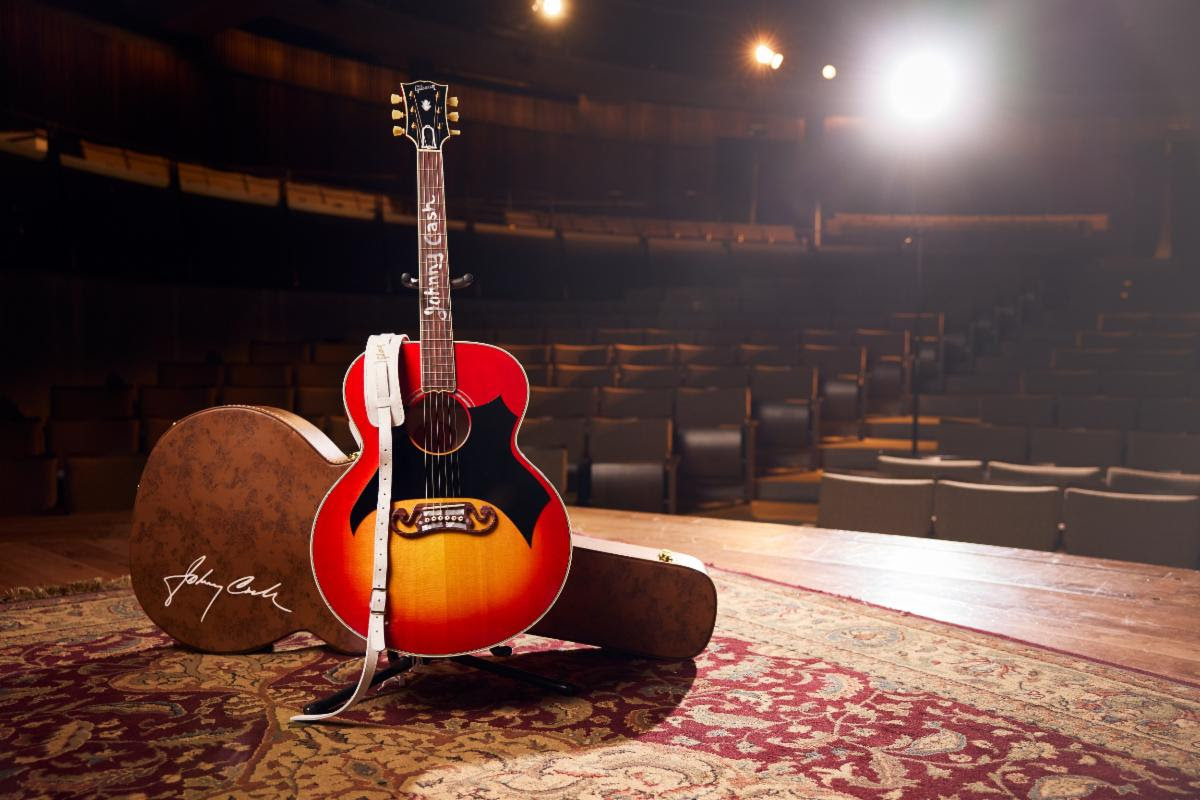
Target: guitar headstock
(420,111)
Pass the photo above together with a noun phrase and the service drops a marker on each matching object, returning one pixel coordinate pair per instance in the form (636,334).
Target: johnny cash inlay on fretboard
(437,329)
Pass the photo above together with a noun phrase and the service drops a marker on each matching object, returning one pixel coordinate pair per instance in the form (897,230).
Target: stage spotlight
(551,9)
(829,72)
(922,86)
(765,55)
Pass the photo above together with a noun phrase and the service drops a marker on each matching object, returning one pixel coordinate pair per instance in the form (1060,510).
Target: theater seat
(703,375)
(1009,516)
(91,402)
(631,465)
(556,401)
(1168,452)
(322,375)
(649,376)
(551,462)
(93,437)
(1142,481)
(1098,413)
(186,374)
(20,438)
(528,354)
(341,354)
(715,443)
(258,375)
(881,505)
(102,483)
(785,405)
(1041,475)
(1017,409)
(591,355)
(1144,384)
(1060,382)
(579,376)
(705,355)
(153,429)
(274,396)
(960,469)
(633,402)
(30,484)
(319,402)
(1170,414)
(169,402)
(766,355)
(985,442)
(1150,528)
(644,354)
(569,434)
(1075,448)
(279,352)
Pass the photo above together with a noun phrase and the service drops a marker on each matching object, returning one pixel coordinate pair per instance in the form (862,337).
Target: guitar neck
(437,327)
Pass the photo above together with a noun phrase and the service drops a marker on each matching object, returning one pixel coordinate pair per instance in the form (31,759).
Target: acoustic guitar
(219,551)
(480,544)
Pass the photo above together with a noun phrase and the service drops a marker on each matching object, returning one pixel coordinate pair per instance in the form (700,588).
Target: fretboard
(437,328)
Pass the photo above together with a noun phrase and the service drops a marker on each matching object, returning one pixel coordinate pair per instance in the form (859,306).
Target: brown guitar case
(219,553)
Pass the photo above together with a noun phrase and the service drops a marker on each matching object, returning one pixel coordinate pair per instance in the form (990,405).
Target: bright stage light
(922,87)
(552,9)
(765,55)
(829,72)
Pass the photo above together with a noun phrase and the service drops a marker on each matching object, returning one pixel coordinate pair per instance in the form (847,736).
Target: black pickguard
(486,469)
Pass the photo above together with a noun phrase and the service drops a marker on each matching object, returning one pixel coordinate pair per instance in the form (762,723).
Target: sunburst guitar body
(480,544)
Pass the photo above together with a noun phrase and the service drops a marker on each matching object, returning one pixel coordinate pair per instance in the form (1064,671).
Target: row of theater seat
(1124,383)
(1151,528)
(1071,446)
(1119,479)
(708,434)
(1097,412)
(787,423)
(881,341)
(1148,321)
(837,358)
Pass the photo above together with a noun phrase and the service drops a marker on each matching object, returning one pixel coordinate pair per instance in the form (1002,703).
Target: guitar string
(445,477)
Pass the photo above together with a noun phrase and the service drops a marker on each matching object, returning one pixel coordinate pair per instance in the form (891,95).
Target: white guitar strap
(385,410)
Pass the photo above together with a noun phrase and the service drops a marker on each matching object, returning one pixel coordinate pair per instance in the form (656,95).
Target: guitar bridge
(456,517)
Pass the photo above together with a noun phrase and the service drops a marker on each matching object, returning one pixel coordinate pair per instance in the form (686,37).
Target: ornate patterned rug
(800,695)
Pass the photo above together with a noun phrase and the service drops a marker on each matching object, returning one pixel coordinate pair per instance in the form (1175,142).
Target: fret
(436,321)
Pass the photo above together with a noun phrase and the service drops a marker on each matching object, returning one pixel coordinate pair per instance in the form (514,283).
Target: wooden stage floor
(1135,615)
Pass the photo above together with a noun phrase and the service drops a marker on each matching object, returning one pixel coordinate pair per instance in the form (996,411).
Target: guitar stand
(409,282)
(398,665)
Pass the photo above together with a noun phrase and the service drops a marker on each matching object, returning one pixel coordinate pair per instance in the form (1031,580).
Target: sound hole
(438,423)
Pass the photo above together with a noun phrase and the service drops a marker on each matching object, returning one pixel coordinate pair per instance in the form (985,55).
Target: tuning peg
(397,114)
(395,98)
(454,102)
(453,115)
(397,130)
(453,132)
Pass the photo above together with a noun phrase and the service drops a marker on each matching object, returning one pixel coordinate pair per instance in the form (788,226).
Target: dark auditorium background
(204,203)
(862,341)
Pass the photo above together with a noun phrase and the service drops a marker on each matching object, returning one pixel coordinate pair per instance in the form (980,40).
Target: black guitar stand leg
(397,665)
(524,676)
